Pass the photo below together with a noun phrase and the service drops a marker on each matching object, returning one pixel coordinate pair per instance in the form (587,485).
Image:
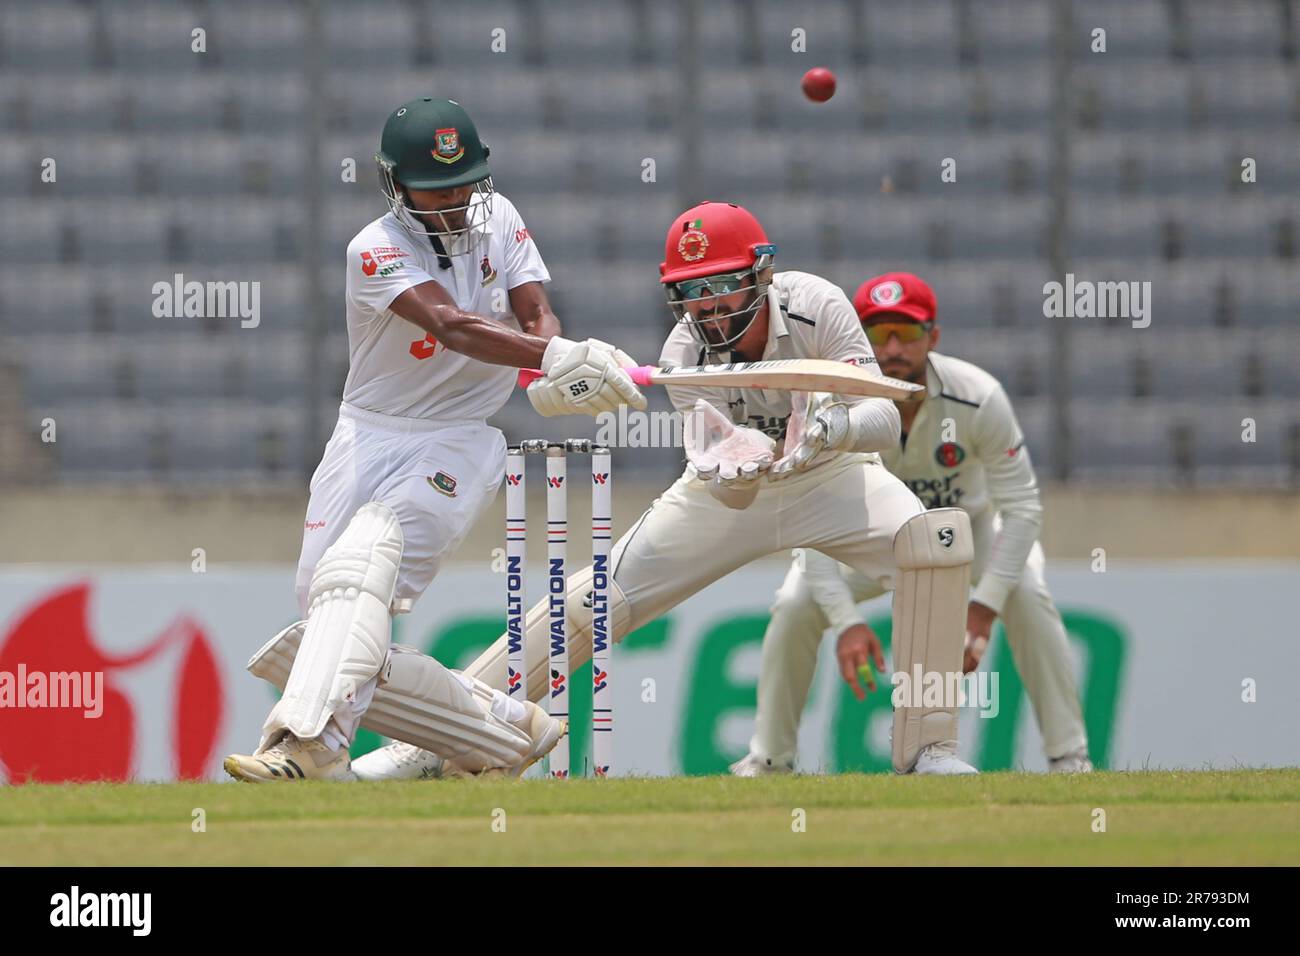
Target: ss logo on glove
(578,387)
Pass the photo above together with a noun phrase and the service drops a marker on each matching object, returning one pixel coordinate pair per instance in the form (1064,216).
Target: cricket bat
(793,375)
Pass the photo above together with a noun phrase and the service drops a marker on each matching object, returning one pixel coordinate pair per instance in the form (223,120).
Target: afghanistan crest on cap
(449,149)
(887,293)
(693,244)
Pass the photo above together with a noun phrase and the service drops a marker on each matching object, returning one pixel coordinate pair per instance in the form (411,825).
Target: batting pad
(933,551)
(348,627)
(420,702)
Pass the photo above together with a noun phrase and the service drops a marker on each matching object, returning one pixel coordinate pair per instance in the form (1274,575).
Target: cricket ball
(818,84)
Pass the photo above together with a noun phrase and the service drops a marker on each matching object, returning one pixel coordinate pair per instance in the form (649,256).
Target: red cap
(712,238)
(895,292)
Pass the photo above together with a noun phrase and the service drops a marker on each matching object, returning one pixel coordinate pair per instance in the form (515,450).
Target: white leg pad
(420,702)
(490,666)
(348,629)
(933,551)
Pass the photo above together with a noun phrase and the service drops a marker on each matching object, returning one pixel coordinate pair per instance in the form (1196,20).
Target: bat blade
(791,375)
(796,375)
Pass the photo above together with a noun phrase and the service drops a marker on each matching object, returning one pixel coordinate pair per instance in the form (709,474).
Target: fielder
(444,304)
(961,448)
(738,501)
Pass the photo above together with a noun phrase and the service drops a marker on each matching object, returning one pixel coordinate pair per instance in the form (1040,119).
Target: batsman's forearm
(481,338)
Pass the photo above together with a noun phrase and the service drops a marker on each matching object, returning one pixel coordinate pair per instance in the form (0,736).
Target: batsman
(768,471)
(445,302)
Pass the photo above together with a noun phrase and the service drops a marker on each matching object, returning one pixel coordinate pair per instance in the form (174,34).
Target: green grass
(1152,818)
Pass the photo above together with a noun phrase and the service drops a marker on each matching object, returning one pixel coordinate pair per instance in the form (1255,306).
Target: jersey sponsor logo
(772,426)
(887,293)
(489,274)
(372,259)
(425,347)
(937,492)
(950,454)
(444,483)
(861,360)
(310,525)
(390,269)
(692,245)
(521,235)
(448,148)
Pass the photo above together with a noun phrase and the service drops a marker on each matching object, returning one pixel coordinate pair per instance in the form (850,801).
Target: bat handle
(640,375)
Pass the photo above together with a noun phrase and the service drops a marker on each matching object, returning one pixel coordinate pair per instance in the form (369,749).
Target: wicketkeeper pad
(933,551)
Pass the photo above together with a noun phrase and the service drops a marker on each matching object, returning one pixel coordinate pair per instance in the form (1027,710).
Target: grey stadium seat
(55,35)
(44,299)
(34,235)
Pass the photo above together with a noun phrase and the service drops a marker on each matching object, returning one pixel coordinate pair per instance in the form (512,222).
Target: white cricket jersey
(964,450)
(394,368)
(808,317)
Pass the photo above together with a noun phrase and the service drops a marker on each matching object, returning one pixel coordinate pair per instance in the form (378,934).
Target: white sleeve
(874,423)
(523,260)
(1013,492)
(378,272)
(829,590)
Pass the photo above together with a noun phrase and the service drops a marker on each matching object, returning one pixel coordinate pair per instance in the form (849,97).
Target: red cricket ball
(818,84)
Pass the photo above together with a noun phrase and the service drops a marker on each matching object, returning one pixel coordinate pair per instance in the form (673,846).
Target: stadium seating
(171,161)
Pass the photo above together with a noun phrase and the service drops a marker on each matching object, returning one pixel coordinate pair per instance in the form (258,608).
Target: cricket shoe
(1076,761)
(291,759)
(941,759)
(752,765)
(398,761)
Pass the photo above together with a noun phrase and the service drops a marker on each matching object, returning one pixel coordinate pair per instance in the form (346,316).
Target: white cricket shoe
(941,759)
(398,761)
(291,759)
(752,765)
(1076,761)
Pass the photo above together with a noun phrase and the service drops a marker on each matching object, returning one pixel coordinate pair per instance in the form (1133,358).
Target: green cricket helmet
(431,143)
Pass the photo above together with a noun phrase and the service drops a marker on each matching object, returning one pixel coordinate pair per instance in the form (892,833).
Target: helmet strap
(444,261)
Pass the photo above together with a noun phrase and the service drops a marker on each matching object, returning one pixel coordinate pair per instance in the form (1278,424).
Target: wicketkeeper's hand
(817,422)
(731,457)
(584,378)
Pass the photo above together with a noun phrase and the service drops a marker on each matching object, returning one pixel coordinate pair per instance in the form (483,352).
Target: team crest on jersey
(444,483)
(489,274)
(887,293)
(950,454)
(448,146)
(692,245)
